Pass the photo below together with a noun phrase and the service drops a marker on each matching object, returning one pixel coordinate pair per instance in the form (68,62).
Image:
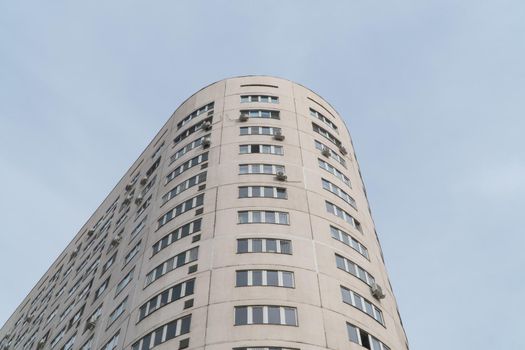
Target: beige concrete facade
(225,313)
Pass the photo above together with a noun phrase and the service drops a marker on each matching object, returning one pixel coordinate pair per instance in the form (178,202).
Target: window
(324,165)
(352,298)
(271,278)
(125,281)
(262,192)
(182,151)
(164,333)
(178,233)
(359,336)
(334,209)
(139,227)
(87,345)
(76,318)
(333,154)
(144,206)
(259,98)
(183,186)
(112,343)
(196,113)
(265,314)
(131,254)
(353,269)
(264,149)
(263,217)
(201,158)
(326,134)
(157,151)
(348,240)
(66,312)
(109,263)
(322,118)
(167,296)
(171,264)
(327,185)
(191,130)
(264,245)
(270,169)
(95,315)
(153,167)
(148,186)
(180,209)
(122,218)
(102,288)
(57,338)
(259,130)
(260,113)
(119,310)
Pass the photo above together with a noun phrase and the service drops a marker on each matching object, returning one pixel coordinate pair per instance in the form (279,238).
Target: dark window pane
(288,279)
(176,292)
(242,278)
(185,326)
(271,245)
(257,278)
(290,317)
(286,247)
(158,337)
(172,329)
(274,315)
(243,192)
(241,315)
(242,246)
(256,245)
(256,191)
(272,278)
(268,192)
(257,316)
(189,287)
(164,298)
(352,333)
(145,343)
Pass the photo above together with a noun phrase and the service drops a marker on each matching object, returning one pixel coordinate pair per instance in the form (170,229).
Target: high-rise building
(243,225)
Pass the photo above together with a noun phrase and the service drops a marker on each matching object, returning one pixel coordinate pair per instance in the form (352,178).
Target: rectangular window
(334,209)
(88,344)
(69,344)
(171,264)
(153,167)
(262,192)
(183,186)
(57,338)
(167,296)
(322,118)
(139,227)
(190,146)
(201,158)
(259,98)
(270,278)
(263,149)
(263,217)
(131,254)
(269,169)
(353,269)
(144,206)
(196,113)
(177,234)
(264,245)
(260,113)
(112,343)
(119,310)
(326,134)
(191,130)
(356,300)
(348,240)
(333,154)
(259,130)
(125,281)
(266,314)
(180,209)
(327,185)
(324,165)
(359,336)
(164,333)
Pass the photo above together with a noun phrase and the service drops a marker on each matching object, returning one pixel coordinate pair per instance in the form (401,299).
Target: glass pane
(283,218)
(242,278)
(290,316)
(286,247)
(243,169)
(176,294)
(272,278)
(368,308)
(256,191)
(375,344)
(257,278)
(256,216)
(243,217)
(339,262)
(352,333)
(288,279)
(257,316)
(270,217)
(158,337)
(358,303)
(268,192)
(145,343)
(244,131)
(271,245)
(186,323)
(268,169)
(257,245)
(243,192)
(190,285)
(281,192)
(164,298)
(241,315)
(274,315)
(242,246)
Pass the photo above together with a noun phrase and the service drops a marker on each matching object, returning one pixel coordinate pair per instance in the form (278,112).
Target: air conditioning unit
(74,253)
(144,180)
(116,240)
(325,152)
(127,200)
(138,200)
(90,232)
(278,135)
(343,150)
(281,176)
(90,325)
(377,291)
(29,318)
(40,343)
(243,117)
(129,186)
(206,126)
(206,142)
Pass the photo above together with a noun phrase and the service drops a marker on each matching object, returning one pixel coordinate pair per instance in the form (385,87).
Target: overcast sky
(433,93)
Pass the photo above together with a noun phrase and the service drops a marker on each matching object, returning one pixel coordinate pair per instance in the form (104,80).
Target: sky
(433,93)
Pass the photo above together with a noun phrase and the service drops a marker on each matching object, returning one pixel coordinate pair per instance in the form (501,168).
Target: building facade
(243,225)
